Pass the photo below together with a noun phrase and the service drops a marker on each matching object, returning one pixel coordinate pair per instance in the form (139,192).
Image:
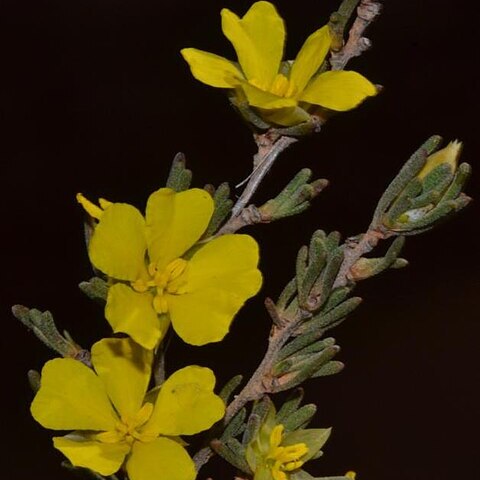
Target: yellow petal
(118,245)
(132,313)
(310,57)
(258,39)
(162,459)
(175,221)
(221,276)
(104,458)
(212,69)
(262,99)
(447,155)
(124,368)
(72,397)
(186,403)
(286,117)
(338,90)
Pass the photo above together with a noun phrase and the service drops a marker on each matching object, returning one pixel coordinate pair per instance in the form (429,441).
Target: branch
(367,12)
(270,146)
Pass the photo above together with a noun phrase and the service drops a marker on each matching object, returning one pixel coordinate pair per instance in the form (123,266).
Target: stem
(355,248)
(356,44)
(269,148)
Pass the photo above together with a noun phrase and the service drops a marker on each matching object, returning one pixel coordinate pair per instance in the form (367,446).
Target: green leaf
(179,178)
(95,288)
(230,387)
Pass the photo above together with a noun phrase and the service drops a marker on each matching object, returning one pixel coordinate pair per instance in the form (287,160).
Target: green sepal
(313,438)
(230,387)
(223,205)
(179,178)
(96,288)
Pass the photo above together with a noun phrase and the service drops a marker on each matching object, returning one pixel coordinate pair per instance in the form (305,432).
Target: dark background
(96,98)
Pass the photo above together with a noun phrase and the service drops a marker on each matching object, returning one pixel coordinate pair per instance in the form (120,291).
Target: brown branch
(367,12)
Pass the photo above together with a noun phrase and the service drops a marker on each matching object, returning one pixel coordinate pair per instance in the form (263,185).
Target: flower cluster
(155,278)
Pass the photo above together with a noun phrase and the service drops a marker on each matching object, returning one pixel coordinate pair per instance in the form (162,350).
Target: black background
(96,98)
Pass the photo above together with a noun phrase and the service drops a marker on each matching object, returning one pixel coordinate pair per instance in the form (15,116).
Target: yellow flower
(282,91)
(154,285)
(114,424)
(274,454)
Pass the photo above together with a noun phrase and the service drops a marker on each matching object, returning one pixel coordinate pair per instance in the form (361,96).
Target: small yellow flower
(274,454)
(283,92)
(114,425)
(281,459)
(153,284)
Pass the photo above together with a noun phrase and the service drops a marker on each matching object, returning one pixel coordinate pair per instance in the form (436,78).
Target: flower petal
(104,458)
(132,313)
(175,221)
(212,69)
(286,117)
(186,403)
(118,244)
(258,39)
(221,276)
(162,459)
(72,397)
(310,57)
(262,99)
(338,90)
(124,368)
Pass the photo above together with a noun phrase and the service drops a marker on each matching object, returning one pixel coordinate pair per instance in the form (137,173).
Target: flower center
(284,459)
(281,86)
(128,428)
(165,281)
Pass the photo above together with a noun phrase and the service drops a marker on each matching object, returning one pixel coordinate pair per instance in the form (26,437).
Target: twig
(356,248)
(356,44)
(269,148)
